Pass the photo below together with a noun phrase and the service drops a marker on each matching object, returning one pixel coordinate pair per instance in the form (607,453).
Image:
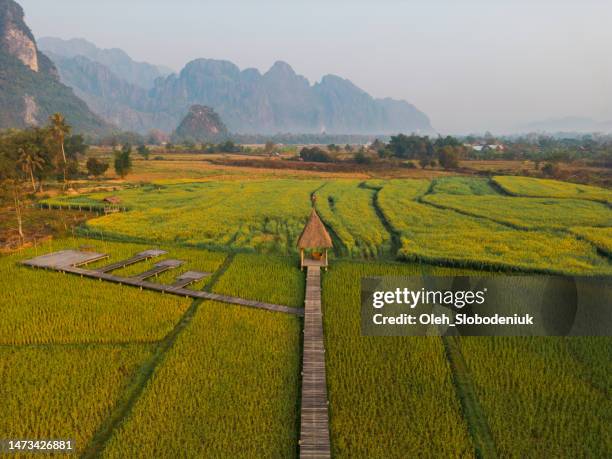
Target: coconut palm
(29,162)
(58,130)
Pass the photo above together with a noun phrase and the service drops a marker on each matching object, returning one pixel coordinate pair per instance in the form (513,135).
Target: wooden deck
(59,261)
(314,426)
(159,268)
(65,258)
(147,254)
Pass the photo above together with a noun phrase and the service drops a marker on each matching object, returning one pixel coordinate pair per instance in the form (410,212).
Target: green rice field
(131,373)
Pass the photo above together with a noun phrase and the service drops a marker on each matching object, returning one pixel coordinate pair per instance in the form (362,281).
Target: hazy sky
(471,65)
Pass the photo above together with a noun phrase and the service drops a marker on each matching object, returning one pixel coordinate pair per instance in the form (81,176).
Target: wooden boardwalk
(66,261)
(130,261)
(159,268)
(314,426)
(189,278)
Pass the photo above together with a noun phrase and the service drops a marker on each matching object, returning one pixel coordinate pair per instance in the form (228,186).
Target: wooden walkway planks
(159,268)
(63,258)
(314,426)
(189,278)
(130,261)
(163,288)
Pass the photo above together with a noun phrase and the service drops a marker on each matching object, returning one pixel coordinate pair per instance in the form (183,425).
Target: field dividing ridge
(471,409)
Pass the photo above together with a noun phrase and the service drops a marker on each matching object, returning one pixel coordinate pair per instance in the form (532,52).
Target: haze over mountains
(139,97)
(573,124)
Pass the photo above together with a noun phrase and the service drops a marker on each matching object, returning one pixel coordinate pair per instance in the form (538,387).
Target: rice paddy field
(264,216)
(348,208)
(131,373)
(544,188)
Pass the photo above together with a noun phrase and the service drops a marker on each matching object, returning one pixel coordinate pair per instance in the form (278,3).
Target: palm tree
(30,161)
(58,130)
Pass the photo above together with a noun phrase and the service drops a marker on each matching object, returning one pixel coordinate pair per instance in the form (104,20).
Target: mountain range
(141,97)
(100,90)
(30,87)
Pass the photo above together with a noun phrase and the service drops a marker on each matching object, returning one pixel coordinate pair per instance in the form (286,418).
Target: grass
(442,236)
(348,209)
(389,396)
(42,307)
(545,188)
(228,388)
(267,278)
(62,392)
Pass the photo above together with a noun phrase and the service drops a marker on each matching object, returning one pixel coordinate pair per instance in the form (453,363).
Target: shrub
(315,154)
(96,167)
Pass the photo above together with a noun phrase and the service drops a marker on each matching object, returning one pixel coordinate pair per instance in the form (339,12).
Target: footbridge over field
(73,262)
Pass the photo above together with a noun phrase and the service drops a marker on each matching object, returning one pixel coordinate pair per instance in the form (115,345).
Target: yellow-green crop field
(444,236)
(46,307)
(267,278)
(63,392)
(463,221)
(389,396)
(227,388)
(393,396)
(77,353)
(527,213)
(542,392)
(267,216)
(600,237)
(544,188)
(130,373)
(347,207)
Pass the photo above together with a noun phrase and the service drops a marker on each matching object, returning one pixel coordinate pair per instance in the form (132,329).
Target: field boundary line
(478,426)
(514,227)
(339,247)
(136,388)
(507,192)
(212,280)
(394,236)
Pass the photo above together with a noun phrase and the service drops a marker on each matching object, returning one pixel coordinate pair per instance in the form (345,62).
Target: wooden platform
(65,258)
(189,278)
(314,426)
(147,254)
(61,261)
(316,263)
(159,268)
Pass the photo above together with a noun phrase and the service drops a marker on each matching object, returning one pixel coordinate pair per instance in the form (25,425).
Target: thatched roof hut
(314,237)
(114,200)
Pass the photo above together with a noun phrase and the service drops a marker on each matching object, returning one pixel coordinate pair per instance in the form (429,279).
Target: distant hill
(278,101)
(138,73)
(202,124)
(570,124)
(30,88)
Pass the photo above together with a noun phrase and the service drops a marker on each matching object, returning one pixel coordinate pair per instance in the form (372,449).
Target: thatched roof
(112,199)
(314,235)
